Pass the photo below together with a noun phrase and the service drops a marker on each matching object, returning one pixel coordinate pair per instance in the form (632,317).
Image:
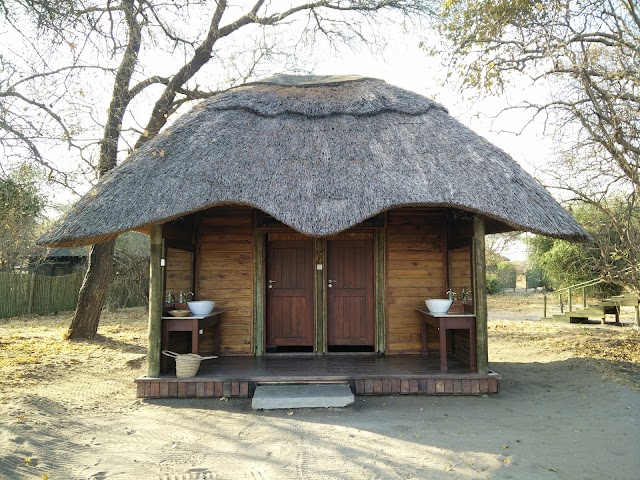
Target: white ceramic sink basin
(201,307)
(438,305)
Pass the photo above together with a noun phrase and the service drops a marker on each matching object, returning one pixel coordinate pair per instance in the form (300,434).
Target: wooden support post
(480,294)
(258,292)
(155,302)
(319,258)
(544,308)
(381,325)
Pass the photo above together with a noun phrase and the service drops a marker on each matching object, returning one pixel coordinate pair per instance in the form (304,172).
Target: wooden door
(289,293)
(350,293)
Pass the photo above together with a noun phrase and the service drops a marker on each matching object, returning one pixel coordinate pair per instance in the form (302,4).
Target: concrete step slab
(322,395)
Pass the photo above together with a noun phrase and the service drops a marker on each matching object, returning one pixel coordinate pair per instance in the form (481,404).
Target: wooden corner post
(155,302)
(480,294)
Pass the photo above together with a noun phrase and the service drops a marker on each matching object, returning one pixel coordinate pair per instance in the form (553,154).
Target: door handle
(331,282)
(271,282)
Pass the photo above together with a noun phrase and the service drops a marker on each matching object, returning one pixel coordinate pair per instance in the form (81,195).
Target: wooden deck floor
(367,375)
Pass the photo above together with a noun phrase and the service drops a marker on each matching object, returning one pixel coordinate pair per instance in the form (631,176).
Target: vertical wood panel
(38,294)
(225,273)
(460,270)
(178,271)
(415,269)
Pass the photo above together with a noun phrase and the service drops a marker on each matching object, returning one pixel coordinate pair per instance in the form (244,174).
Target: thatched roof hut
(320,154)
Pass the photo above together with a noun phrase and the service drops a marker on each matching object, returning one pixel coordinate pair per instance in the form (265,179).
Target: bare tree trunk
(98,277)
(93,292)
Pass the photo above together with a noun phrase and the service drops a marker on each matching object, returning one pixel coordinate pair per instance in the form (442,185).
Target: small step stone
(324,395)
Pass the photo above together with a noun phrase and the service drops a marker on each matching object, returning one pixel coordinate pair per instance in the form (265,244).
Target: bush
(564,264)
(493,284)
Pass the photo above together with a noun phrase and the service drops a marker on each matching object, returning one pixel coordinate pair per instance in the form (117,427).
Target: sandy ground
(569,408)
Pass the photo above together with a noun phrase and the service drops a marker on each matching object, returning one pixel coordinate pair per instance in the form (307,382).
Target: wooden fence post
(32,288)
(32,294)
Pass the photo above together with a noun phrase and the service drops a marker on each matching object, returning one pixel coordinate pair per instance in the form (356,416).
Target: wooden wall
(178,255)
(460,270)
(178,271)
(416,269)
(459,278)
(225,273)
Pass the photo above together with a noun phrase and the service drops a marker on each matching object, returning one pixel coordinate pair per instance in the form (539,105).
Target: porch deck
(367,375)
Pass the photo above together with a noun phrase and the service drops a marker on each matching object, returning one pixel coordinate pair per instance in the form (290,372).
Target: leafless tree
(587,55)
(153,58)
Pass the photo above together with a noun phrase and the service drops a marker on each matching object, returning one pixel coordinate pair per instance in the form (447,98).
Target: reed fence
(26,294)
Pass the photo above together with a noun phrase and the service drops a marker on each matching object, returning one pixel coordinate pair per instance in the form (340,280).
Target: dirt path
(560,414)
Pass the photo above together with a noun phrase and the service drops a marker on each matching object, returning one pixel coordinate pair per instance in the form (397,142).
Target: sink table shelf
(445,323)
(193,324)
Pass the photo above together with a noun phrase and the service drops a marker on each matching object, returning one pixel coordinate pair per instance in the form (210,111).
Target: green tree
(607,257)
(21,207)
(563,263)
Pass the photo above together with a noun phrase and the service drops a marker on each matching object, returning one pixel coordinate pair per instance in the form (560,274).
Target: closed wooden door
(350,293)
(289,293)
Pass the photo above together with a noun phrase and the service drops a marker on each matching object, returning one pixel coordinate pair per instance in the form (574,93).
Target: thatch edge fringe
(144,228)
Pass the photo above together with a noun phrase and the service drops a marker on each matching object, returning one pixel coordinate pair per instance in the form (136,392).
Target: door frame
(320,289)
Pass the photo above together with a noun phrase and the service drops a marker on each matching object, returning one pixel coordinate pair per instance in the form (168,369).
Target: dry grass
(32,349)
(516,303)
(616,348)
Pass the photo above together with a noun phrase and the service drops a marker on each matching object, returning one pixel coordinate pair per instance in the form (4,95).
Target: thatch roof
(320,154)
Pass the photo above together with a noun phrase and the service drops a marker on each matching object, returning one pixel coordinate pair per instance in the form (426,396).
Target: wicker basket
(187,364)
